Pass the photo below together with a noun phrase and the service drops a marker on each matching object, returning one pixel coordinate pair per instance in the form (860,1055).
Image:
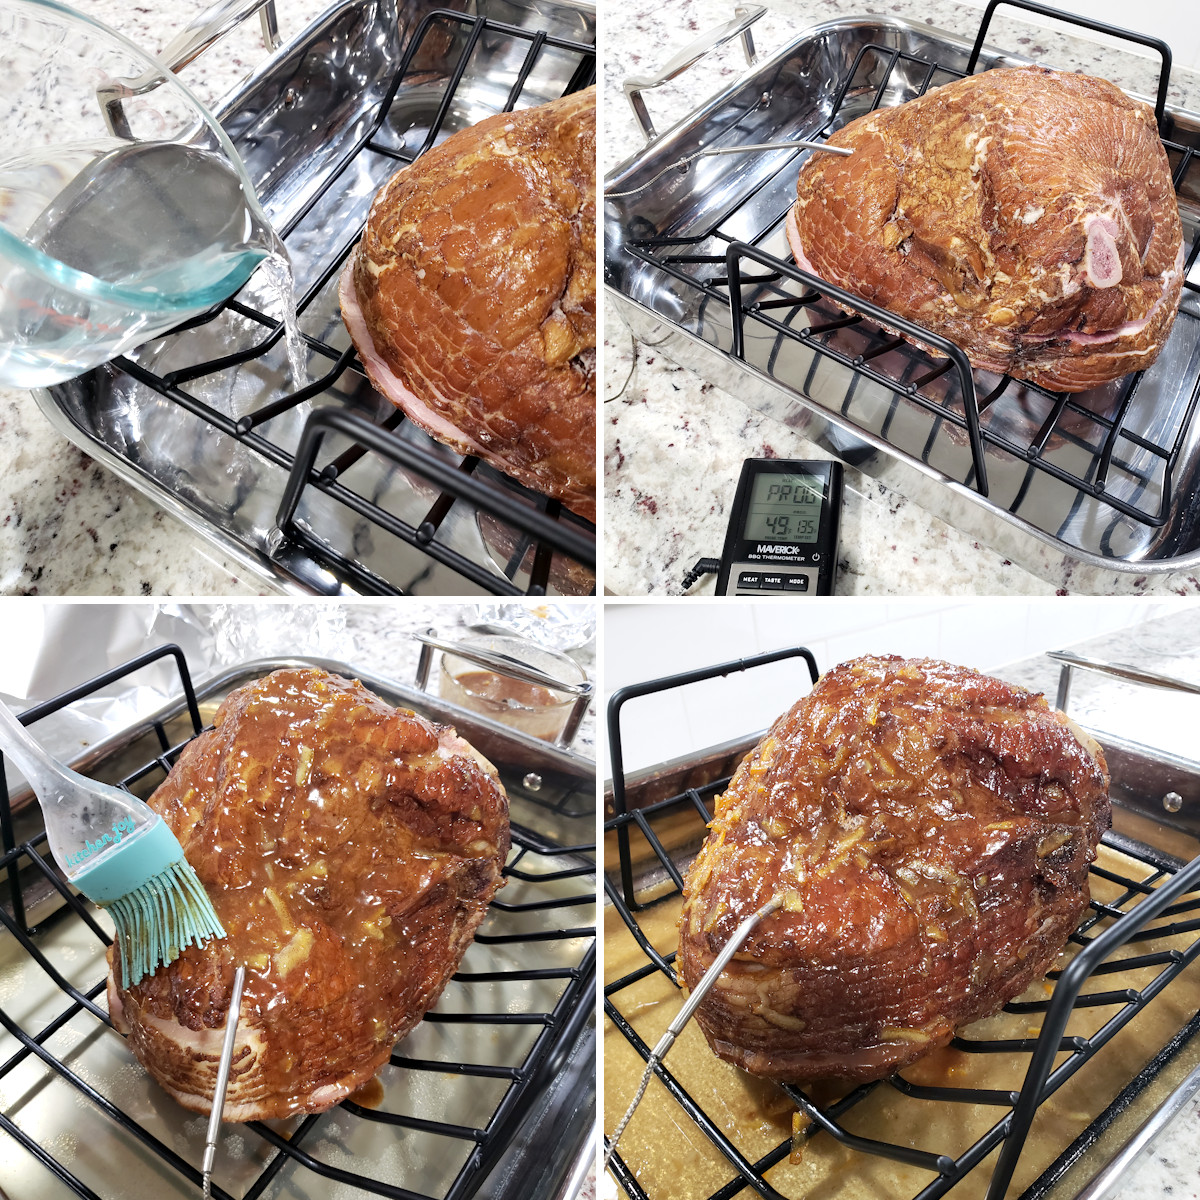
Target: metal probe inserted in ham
(681,163)
(675,1028)
(218,1104)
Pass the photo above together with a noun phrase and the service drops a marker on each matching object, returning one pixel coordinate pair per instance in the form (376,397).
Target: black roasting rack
(538,527)
(1097,446)
(1105,928)
(285,1156)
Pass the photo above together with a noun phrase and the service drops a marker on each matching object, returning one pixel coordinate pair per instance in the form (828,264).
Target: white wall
(647,641)
(1177,22)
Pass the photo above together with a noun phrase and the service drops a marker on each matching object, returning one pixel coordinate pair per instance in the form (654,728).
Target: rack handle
(738,313)
(1127,35)
(202,31)
(1071,660)
(744,15)
(616,755)
(1034,1089)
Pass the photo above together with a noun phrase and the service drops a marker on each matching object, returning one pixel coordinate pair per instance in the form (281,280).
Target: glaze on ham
(1026,215)
(471,298)
(928,830)
(351,851)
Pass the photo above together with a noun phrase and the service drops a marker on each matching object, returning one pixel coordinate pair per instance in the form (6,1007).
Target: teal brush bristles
(159,919)
(158,904)
(120,854)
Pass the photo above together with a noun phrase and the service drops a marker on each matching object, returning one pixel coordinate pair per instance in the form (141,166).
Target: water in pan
(670,1155)
(276,269)
(298,127)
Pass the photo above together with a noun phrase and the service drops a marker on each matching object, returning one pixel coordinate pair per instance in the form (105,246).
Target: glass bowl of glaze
(513,681)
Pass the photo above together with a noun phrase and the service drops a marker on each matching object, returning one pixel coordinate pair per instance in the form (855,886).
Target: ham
(1026,215)
(928,830)
(351,851)
(471,297)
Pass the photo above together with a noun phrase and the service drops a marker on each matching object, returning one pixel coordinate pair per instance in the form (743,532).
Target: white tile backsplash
(647,641)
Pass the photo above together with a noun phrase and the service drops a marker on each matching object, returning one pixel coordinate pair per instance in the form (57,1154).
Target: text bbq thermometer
(783,529)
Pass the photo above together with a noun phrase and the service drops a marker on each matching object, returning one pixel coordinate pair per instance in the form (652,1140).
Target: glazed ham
(471,298)
(350,850)
(928,830)
(1026,215)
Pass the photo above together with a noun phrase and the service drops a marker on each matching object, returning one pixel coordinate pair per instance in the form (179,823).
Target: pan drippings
(670,1155)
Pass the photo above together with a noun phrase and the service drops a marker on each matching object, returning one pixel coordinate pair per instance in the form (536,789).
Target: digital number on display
(785,508)
(781,528)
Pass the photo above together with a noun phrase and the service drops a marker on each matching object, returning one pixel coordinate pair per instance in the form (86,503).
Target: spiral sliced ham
(1026,215)
(351,851)
(471,298)
(928,830)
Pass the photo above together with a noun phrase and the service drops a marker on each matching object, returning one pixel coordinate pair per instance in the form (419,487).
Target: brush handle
(30,757)
(84,819)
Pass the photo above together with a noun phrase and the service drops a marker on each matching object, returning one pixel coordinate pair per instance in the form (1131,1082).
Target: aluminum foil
(554,626)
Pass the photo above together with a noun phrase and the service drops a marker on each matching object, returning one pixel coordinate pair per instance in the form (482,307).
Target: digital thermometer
(783,529)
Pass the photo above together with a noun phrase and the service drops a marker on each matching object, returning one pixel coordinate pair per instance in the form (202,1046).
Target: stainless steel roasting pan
(1107,478)
(325,489)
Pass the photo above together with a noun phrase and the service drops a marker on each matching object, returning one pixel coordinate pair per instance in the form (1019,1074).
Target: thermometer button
(772,583)
(750,579)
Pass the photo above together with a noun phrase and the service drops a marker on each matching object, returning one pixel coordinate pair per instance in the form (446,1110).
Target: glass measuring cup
(124,208)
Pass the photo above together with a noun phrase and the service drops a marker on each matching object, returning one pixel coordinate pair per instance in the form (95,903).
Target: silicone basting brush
(120,854)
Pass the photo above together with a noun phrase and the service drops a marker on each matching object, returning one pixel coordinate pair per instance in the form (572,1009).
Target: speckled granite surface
(674,443)
(67,525)
(1168,1166)
(1165,720)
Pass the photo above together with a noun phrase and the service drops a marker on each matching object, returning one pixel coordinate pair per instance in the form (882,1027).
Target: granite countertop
(68,526)
(674,442)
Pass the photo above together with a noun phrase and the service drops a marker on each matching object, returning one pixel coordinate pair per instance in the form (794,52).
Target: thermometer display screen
(784,508)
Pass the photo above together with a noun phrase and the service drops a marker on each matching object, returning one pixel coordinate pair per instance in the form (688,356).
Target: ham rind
(471,297)
(1026,215)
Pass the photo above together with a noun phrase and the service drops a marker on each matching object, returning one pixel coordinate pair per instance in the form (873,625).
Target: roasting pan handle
(201,32)
(744,15)
(1125,35)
